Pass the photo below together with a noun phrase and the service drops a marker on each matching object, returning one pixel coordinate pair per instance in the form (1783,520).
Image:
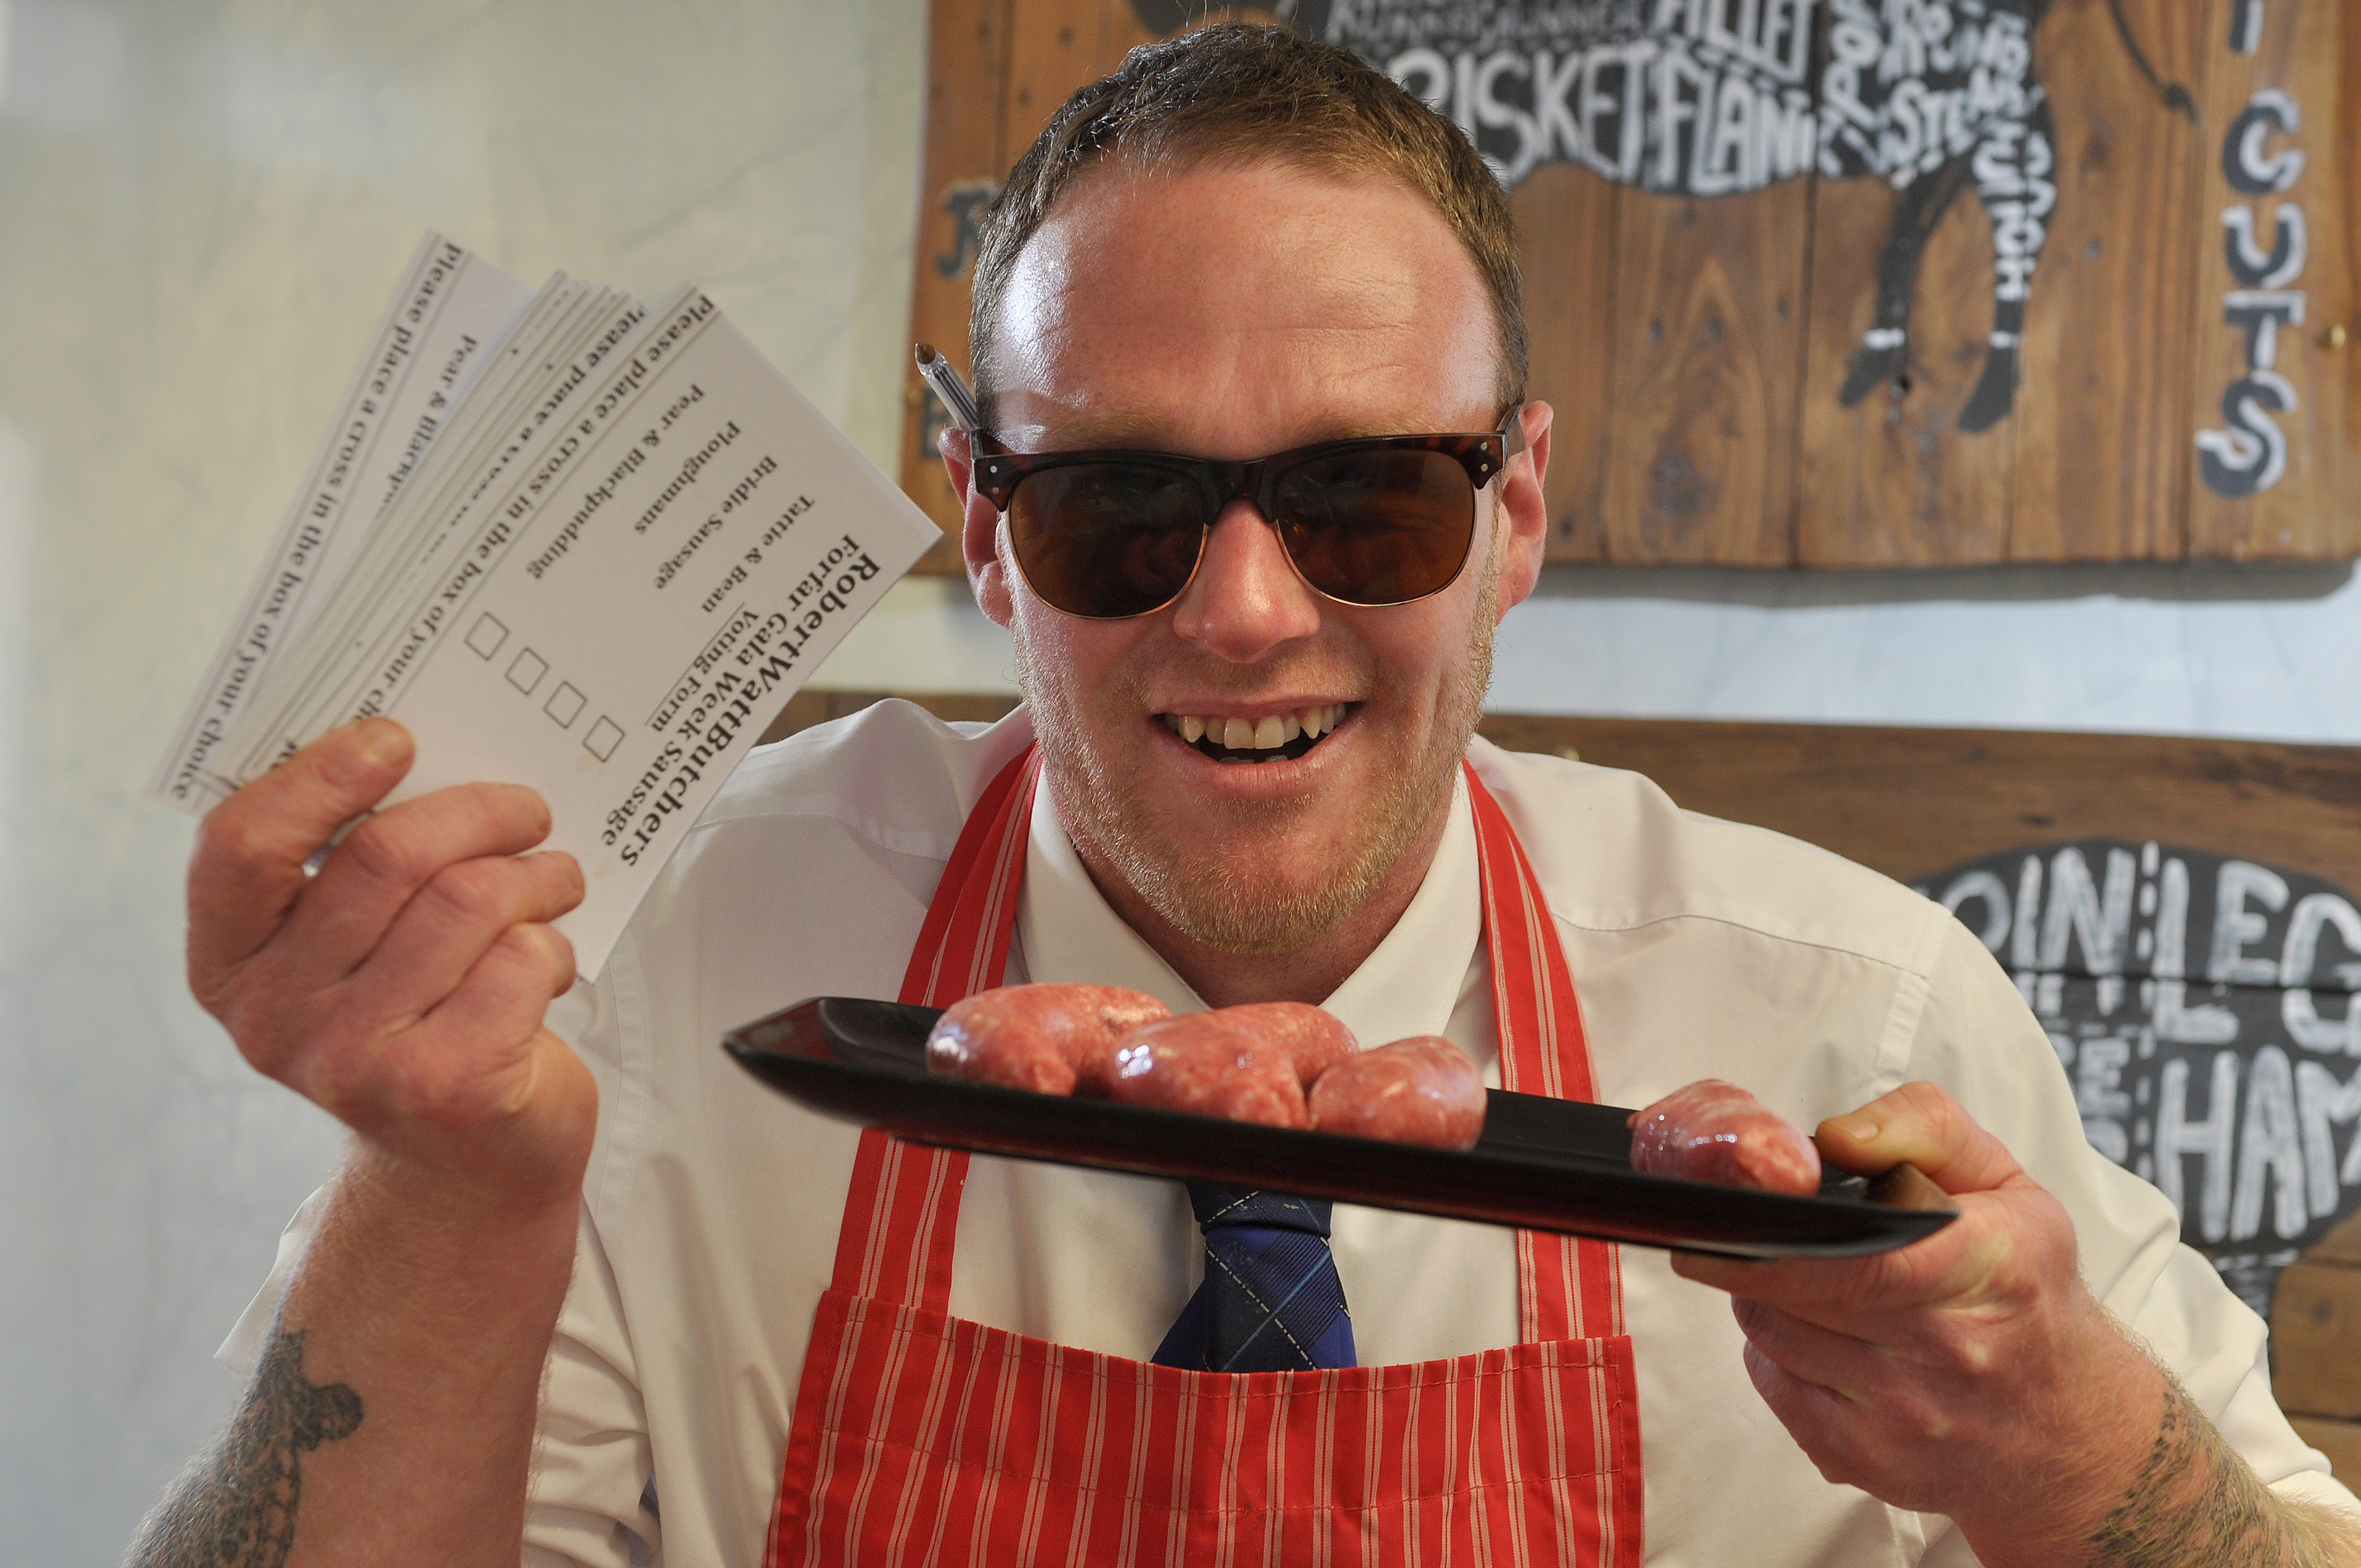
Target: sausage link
(1096,1023)
(1423,1090)
(1713,1131)
(1205,1063)
(1313,1040)
(1049,1039)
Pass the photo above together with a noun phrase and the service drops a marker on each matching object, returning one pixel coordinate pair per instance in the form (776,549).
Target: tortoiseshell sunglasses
(1108,535)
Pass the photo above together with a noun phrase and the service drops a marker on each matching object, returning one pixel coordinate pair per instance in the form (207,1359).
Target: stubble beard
(1205,895)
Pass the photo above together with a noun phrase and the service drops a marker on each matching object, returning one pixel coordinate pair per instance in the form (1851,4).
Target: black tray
(1551,1164)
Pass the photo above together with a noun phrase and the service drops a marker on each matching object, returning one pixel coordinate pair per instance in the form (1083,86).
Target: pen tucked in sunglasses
(945,380)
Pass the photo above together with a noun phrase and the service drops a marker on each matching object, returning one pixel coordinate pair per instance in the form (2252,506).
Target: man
(595,1303)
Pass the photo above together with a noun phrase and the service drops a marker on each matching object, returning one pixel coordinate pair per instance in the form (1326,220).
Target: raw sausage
(1050,1038)
(1713,1131)
(1423,1090)
(1250,1063)
(1313,1040)
(1207,1063)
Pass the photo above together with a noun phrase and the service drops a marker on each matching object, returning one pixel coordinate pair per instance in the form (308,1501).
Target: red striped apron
(923,1439)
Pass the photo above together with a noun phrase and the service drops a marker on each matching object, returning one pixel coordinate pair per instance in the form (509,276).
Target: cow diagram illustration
(1705,98)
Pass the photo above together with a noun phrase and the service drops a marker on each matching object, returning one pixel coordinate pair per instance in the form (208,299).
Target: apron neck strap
(1568,1287)
(901,1218)
(963,946)
(1543,1050)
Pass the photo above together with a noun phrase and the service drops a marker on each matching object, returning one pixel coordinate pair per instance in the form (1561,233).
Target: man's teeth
(1266,734)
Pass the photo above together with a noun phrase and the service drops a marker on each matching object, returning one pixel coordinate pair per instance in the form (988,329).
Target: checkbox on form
(526,672)
(565,704)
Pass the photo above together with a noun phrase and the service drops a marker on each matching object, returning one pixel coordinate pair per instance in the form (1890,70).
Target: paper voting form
(570,541)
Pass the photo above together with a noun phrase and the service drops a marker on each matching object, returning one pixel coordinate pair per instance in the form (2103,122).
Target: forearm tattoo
(235,1506)
(2196,1501)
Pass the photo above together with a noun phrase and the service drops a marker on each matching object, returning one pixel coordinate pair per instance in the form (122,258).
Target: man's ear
(1522,512)
(987,575)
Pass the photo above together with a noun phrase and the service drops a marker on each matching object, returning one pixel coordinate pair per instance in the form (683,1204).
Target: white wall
(202,205)
(2256,651)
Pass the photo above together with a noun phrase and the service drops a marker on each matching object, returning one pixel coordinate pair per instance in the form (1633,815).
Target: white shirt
(1699,949)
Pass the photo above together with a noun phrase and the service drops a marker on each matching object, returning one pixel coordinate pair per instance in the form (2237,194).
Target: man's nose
(1246,598)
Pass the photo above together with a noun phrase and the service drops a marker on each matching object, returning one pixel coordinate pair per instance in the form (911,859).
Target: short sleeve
(589,1499)
(588,1495)
(243,1348)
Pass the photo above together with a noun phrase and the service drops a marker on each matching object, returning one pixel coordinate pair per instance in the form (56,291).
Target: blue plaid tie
(1271,1301)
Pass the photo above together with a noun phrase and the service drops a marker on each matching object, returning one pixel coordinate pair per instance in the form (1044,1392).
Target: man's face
(1230,313)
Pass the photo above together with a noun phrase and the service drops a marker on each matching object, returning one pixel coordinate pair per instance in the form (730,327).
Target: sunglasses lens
(1377,526)
(1107,540)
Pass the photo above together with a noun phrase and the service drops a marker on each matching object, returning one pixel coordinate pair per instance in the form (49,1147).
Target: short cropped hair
(1239,94)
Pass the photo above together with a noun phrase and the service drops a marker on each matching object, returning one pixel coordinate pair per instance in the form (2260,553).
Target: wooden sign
(2280,421)
(2202,1006)
(1848,282)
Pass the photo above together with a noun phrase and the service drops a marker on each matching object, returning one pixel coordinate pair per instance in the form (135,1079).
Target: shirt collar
(1408,985)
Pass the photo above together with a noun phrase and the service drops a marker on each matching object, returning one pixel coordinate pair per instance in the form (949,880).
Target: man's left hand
(1972,1374)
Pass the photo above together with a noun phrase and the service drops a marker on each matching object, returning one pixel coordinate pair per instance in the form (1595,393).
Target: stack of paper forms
(570,541)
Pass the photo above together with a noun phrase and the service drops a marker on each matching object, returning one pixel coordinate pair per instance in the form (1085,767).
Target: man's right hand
(402,988)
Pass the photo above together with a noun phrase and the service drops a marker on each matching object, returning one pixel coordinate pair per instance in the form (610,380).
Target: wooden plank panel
(2316,1340)
(1053,48)
(2101,439)
(2341,1441)
(2350,197)
(2338,1439)
(1120,31)
(1709,338)
(2342,1244)
(2348,114)
(1892,481)
(2306,515)
(967,62)
(1910,802)
(1566,241)
(2331,42)
(1126,24)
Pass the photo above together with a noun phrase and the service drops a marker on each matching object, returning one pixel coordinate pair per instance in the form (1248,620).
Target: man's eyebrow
(1147,433)
(1135,429)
